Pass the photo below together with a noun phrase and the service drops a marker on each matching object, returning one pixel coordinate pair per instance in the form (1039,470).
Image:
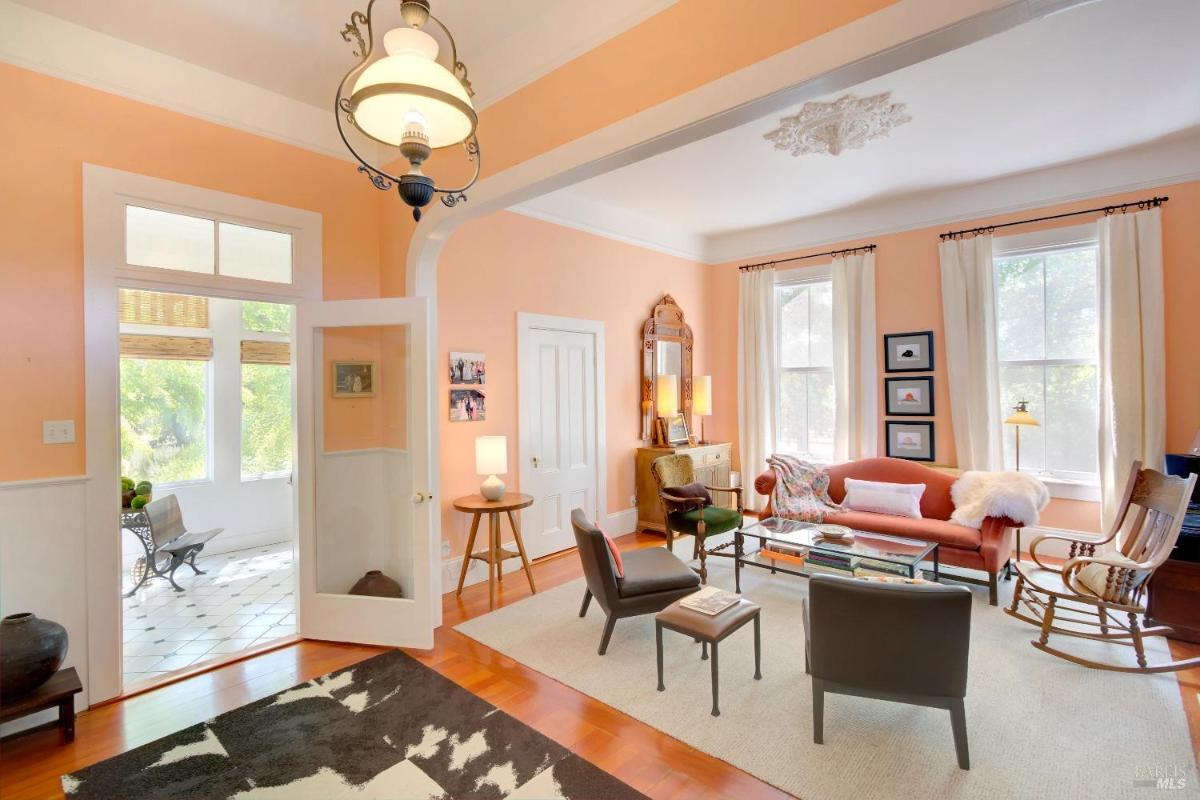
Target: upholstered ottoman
(708,630)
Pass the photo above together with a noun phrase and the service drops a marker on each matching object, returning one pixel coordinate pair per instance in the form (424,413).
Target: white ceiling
(294,47)
(1096,79)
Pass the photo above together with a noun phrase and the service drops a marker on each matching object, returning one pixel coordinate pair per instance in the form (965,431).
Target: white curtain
(757,378)
(1132,343)
(855,370)
(969,315)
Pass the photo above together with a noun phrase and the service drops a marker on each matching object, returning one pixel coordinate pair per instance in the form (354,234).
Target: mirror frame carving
(665,324)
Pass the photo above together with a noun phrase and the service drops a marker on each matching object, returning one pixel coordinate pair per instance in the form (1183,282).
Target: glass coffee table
(802,545)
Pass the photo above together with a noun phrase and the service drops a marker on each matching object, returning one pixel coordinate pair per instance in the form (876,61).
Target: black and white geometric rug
(388,728)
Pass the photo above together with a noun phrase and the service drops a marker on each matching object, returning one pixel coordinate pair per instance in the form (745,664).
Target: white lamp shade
(491,455)
(411,60)
(702,395)
(667,395)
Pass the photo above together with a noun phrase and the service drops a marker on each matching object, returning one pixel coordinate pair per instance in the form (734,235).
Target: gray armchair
(907,643)
(654,577)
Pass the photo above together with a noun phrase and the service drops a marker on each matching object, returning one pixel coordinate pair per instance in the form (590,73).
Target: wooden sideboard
(712,464)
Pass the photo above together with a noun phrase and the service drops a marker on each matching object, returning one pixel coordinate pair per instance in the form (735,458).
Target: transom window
(1047,338)
(804,325)
(169,240)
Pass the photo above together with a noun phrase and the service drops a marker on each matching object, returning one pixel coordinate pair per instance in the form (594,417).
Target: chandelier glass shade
(406,98)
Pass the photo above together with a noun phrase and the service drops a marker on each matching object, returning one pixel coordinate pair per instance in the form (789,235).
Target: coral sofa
(986,548)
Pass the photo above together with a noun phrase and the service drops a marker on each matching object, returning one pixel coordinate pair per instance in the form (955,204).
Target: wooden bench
(59,691)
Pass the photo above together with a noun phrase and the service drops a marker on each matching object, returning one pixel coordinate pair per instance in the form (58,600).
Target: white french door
(560,453)
(364,444)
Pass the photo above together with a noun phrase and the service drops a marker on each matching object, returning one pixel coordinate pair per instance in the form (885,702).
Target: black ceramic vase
(31,650)
(376,584)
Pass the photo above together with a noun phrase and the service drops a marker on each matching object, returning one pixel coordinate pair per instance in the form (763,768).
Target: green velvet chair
(692,515)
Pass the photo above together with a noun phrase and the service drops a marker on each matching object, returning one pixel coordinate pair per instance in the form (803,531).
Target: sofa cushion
(900,499)
(944,533)
(654,569)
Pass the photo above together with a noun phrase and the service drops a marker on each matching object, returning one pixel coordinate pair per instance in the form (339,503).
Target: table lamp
(491,459)
(702,401)
(1019,417)
(666,401)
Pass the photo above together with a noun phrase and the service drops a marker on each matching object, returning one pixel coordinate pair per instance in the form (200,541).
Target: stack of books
(785,551)
(831,562)
(880,569)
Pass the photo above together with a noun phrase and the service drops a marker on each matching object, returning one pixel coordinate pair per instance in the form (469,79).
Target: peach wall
(908,298)
(503,263)
(49,128)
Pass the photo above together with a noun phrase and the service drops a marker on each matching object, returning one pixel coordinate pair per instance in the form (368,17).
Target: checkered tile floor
(246,598)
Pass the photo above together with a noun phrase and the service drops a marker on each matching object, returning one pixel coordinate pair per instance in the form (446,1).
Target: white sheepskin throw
(978,494)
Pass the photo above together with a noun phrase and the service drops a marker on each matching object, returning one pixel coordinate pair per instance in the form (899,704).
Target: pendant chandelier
(407,99)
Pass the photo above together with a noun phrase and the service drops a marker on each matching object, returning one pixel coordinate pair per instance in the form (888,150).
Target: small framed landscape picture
(911,440)
(676,429)
(354,378)
(908,352)
(909,397)
(468,368)
(467,405)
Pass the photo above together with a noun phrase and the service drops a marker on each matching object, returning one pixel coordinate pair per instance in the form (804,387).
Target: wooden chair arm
(735,489)
(1080,546)
(690,501)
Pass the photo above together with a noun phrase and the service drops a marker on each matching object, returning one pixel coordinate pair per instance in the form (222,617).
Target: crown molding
(562,22)
(47,44)
(614,223)
(1169,161)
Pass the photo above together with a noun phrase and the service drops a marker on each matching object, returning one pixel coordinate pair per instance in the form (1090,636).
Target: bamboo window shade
(179,348)
(141,307)
(254,352)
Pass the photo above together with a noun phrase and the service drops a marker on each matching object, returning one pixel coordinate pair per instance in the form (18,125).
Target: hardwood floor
(652,762)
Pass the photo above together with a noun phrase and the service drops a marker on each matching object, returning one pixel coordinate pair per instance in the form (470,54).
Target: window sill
(270,476)
(1065,489)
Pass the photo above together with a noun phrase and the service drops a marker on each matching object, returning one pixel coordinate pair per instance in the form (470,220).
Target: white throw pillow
(897,499)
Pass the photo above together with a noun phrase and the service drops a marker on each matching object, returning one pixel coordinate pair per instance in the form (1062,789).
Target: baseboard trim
(621,522)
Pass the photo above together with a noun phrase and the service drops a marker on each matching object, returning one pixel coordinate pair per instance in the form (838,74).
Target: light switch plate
(58,431)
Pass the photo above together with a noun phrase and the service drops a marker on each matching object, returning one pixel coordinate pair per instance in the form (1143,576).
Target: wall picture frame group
(911,440)
(909,397)
(468,374)
(908,352)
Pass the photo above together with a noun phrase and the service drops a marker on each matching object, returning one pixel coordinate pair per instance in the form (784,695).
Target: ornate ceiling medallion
(847,123)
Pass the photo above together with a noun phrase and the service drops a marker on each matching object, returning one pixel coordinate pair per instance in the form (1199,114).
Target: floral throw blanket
(801,489)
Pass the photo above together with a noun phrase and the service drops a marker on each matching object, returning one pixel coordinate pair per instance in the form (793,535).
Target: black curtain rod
(1153,202)
(867,247)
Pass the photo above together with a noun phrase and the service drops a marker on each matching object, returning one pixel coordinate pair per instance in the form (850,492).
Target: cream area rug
(1038,726)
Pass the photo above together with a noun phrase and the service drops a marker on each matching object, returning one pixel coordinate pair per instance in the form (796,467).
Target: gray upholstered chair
(654,577)
(906,643)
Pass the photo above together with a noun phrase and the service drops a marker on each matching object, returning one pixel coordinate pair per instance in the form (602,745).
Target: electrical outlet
(58,431)
(632,500)
(445,548)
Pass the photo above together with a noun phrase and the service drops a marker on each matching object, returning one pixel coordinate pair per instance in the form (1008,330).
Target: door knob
(536,462)
(421,497)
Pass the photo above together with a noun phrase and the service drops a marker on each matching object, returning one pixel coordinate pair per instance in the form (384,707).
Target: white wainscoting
(364,509)
(42,566)
(253,513)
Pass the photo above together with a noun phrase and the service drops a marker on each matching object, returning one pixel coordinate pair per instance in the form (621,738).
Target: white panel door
(558,433)
(364,477)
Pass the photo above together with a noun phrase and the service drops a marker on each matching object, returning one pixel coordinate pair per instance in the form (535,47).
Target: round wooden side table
(495,555)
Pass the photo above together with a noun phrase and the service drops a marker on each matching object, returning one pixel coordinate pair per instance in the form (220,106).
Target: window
(804,322)
(164,419)
(266,428)
(1047,344)
(168,240)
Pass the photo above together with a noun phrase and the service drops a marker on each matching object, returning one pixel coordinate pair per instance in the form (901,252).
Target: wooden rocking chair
(1100,597)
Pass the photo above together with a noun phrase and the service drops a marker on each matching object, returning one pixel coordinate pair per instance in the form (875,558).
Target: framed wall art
(908,352)
(909,397)
(354,378)
(910,440)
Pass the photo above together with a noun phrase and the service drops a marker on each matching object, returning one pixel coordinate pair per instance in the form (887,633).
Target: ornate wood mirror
(666,350)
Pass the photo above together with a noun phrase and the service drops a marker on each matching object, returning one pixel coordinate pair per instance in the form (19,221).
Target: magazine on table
(710,600)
